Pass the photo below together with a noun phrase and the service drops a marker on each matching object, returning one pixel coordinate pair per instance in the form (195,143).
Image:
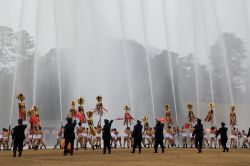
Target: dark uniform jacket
(159,131)
(69,131)
(106,130)
(137,132)
(223,133)
(198,131)
(18,132)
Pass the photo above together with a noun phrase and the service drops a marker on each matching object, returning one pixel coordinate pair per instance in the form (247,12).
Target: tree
(230,50)
(25,44)
(7,47)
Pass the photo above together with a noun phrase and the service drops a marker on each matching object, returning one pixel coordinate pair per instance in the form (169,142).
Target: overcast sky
(190,23)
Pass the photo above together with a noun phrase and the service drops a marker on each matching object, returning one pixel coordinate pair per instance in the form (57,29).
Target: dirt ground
(122,157)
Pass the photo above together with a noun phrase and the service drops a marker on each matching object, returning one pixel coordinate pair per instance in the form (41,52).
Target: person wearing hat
(198,133)
(223,135)
(106,136)
(159,136)
(233,119)
(21,105)
(19,137)
(137,135)
(69,135)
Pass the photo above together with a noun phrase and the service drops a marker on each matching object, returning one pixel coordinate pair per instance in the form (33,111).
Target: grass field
(123,157)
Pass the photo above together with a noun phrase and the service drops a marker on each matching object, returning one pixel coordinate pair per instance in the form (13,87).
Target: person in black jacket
(223,135)
(198,133)
(137,135)
(19,137)
(248,134)
(106,136)
(69,135)
(159,136)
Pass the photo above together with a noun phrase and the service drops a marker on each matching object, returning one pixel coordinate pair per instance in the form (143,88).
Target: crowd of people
(172,137)
(80,137)
(86,135)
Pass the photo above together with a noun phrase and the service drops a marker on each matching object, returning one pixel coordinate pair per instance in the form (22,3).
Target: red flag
(128,116)
(119,118)
(34,120)
(161,119)
(187,125)
(79,116)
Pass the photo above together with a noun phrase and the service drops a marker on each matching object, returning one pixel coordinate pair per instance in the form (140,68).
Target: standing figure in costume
(127,117)
(98,136)
(191,116)
(82,118)
(40,136)
(21,104)
(210,115)
(184,136)
(1,140)
(34,117)
(212,135)
(29,137)
(245,143)
(92,134)
(72,110)
(99,109)
(233,120)
(127,136)
(90,118)
(92,131)
(5,138)
(145,122)
(168,116)
(59,138)
(79,133)
(167,136)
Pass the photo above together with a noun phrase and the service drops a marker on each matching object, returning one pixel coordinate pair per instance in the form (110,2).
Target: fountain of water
(124,54)
(16,62)
(196,61)
(147,55)
(58,68)
(207,51)
(224,54)
(169,59)
(105,49)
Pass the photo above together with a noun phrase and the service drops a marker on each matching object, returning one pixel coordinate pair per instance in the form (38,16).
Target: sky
(190,24)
